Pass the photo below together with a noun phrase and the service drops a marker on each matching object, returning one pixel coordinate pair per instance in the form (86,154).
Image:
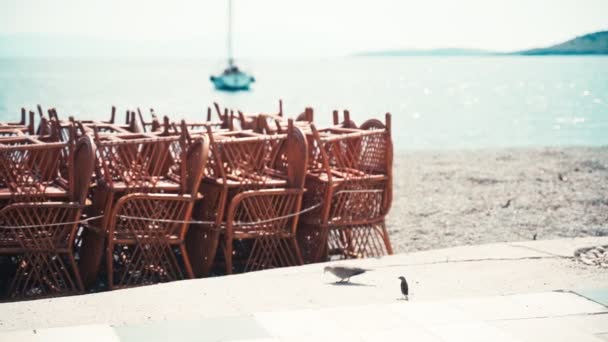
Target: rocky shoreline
(593,256)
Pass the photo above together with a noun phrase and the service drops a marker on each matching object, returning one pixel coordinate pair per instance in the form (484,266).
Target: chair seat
(8,243)
(252,234)
(54,191)
(158,186)
(128,238)
(270,181)
(344,175)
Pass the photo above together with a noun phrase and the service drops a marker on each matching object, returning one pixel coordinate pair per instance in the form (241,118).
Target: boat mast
(230,59)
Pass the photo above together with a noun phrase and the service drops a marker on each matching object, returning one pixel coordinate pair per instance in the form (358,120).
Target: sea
(436,103)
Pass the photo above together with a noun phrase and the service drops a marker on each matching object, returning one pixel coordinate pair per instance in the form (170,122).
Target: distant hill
(589,44)
(431,52)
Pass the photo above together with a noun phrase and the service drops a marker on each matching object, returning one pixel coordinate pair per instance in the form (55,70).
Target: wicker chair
(41,235)
(239,161)
(29,168)
(21,126)
(350,172)
(145,184)
(263,122)
(271,124)
(269,217)
(29,172)
(91,127)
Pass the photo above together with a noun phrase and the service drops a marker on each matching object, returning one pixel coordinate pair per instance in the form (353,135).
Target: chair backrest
(192,127)
(226,118)
(81,165)
(293,157)
(28,166)
(243,157)
(307,115)
(247,121)
(21,125)
(357,167)
(143,161)
(385,144)
(134,160)
(195,161)
(346,123)
(350,152)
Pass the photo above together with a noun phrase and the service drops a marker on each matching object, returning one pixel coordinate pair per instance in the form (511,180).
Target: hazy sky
(315,27)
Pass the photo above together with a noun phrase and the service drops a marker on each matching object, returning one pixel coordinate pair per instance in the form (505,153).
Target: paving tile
(89,333)
(363,319)
(597,295)
(267,339)
(587,324)
(211,329)
(560,329)
(592,324)
(471,331)
(430,313)
(602,337)
(300,324)
(316,339)
(545,304)
(405,333)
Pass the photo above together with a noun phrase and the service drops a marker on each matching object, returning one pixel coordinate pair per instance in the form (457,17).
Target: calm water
(436,103)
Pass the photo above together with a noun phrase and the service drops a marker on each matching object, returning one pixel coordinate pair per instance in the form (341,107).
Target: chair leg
(76,271)
(228,255)
(186,259)
(44,274)
(91,259)
(94,240)
(322,248)
(387,241)
(296,248)
(110,264)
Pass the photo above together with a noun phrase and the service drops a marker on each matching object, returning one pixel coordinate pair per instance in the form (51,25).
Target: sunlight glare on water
(436,102)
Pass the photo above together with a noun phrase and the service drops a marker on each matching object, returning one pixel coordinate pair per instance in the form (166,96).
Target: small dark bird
(343,272)
(404,288)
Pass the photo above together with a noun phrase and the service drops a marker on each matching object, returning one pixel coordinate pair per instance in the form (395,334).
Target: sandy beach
(450,198)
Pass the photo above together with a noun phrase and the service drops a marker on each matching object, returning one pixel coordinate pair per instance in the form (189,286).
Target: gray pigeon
(404,288)
(343,272)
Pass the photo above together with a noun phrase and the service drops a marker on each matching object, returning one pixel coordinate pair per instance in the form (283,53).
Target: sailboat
(232,79)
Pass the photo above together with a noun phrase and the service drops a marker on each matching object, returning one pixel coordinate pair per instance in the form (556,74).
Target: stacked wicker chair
(41,212)
(147,187)
(350,172)
(252,194)
(88,205)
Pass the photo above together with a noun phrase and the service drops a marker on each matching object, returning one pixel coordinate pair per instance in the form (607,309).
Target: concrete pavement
(508,291)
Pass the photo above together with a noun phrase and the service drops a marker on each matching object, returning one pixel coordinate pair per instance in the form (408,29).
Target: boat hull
(232,81)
